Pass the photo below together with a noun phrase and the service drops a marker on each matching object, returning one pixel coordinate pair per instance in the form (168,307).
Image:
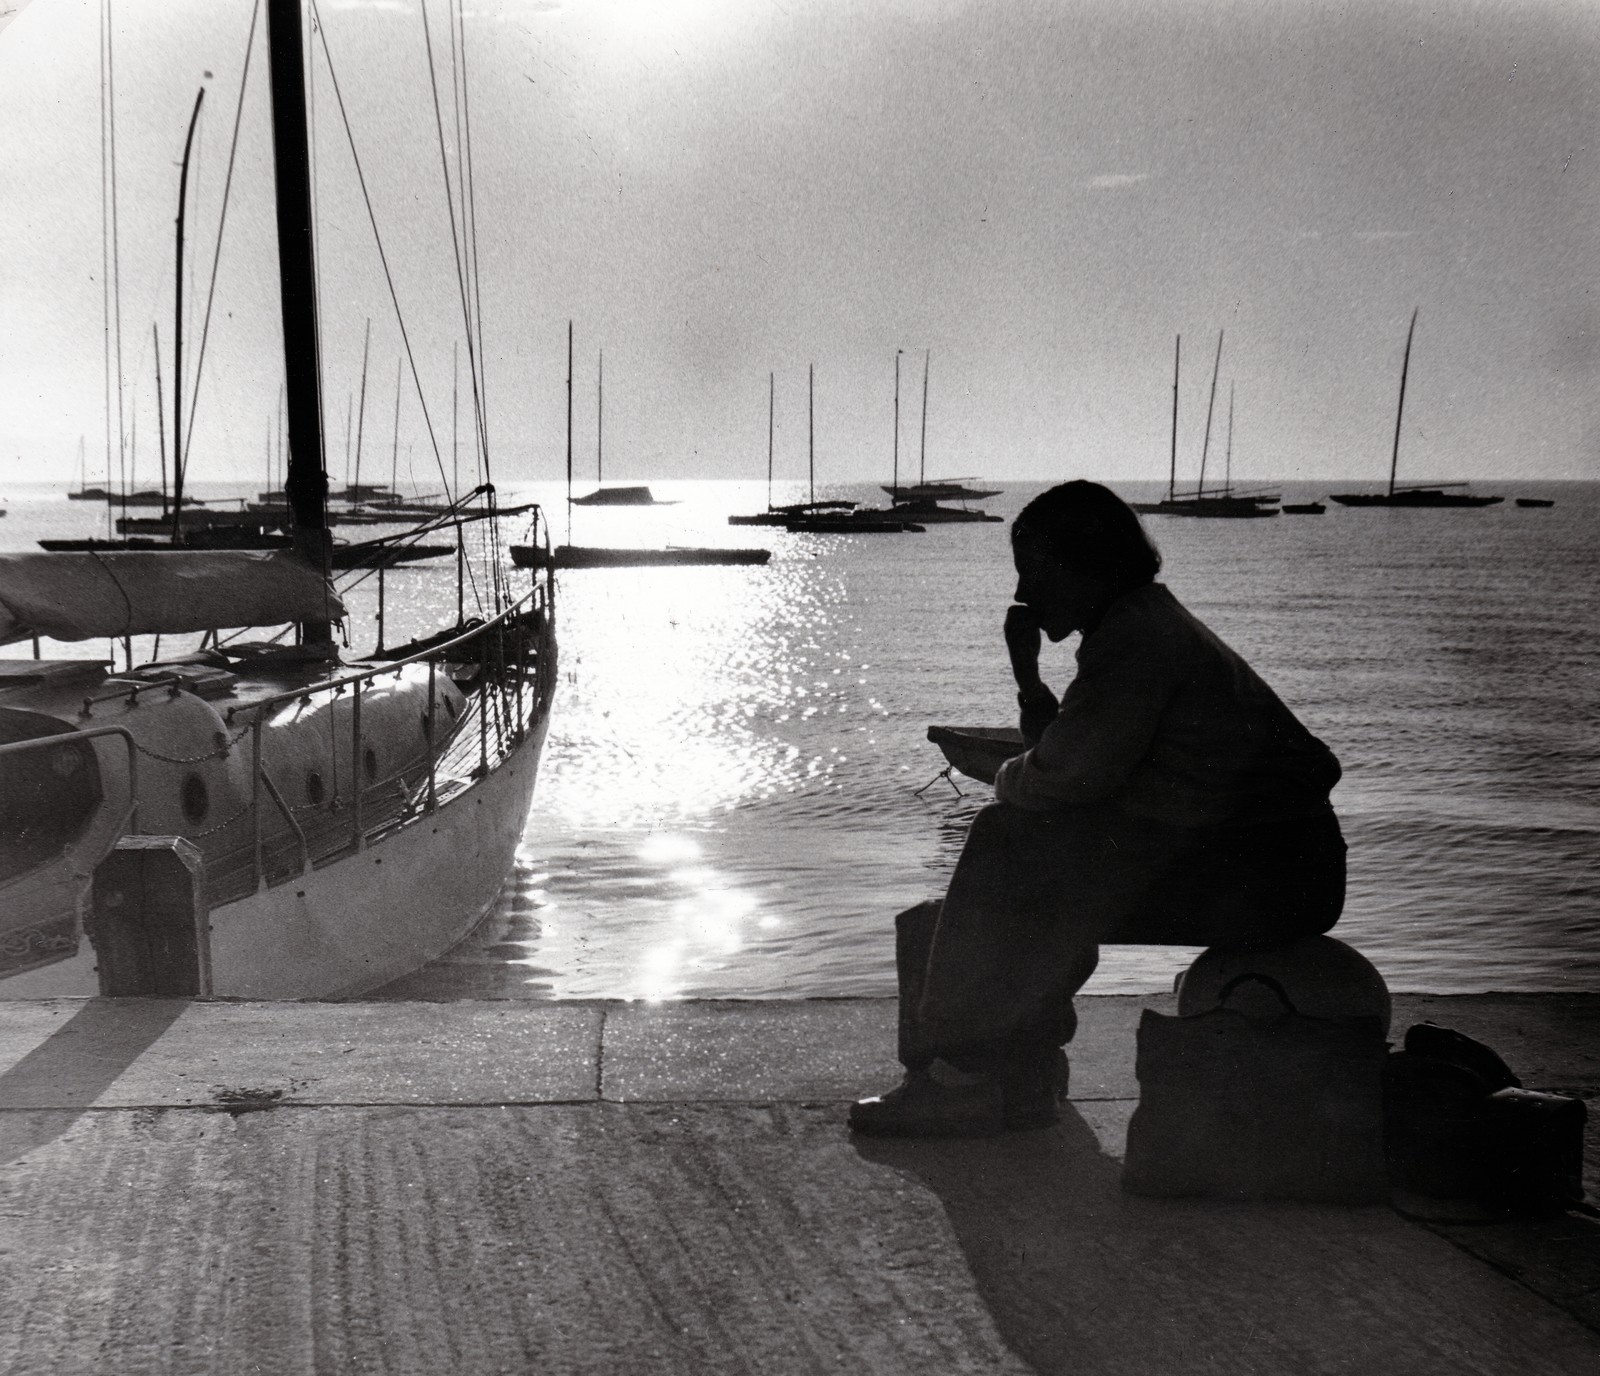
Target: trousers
(987,975)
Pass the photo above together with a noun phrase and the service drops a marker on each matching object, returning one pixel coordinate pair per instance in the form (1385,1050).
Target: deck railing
(515,680)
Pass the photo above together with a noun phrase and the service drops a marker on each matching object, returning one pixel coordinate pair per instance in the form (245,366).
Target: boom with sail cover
(116,593)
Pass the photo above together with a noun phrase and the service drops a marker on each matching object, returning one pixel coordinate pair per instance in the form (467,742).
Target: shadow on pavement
(48,1089)
(1080,1277)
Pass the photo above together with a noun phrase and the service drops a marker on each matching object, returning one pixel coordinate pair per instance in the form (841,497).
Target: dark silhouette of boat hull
(782,515)
(1412,498)
(620,496)
(928,512)
(876,524)
(597,557)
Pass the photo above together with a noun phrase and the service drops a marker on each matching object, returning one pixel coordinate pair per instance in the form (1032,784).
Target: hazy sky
(1042,195)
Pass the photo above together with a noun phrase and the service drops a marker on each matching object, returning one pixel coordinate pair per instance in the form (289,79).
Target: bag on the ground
(1459,1125)
(1240,1107)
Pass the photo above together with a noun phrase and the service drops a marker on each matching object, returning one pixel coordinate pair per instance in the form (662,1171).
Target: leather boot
(940,1101)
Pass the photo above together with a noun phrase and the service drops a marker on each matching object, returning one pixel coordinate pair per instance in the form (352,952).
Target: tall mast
(306,485)
(772,385)
(811,428)
(1227,480)
(1215,369)
(922,462)
(896,488)
(1394,459)
(1172,472)
(600,421)
(177,335)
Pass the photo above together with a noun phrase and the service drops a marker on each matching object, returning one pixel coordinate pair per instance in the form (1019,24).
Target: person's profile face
(1062,601)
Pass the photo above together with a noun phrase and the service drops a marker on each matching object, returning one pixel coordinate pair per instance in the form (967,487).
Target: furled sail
(82,596)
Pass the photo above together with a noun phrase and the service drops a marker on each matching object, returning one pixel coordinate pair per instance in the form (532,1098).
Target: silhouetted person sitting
(1169,798)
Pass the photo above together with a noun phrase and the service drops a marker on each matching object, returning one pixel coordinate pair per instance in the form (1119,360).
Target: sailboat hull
(369,918)
(351,924)
(1414,498)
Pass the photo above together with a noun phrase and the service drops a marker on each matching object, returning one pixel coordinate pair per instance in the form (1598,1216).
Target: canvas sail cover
(113,593)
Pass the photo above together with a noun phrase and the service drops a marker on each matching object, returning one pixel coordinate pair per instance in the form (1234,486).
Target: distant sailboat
(85,493)
(570,556)
(920,502)
(862,520)
(602,495)
(782,515)
(1432,495)
(1199,503)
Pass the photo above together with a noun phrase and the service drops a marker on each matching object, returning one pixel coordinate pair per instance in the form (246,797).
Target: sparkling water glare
(730,806)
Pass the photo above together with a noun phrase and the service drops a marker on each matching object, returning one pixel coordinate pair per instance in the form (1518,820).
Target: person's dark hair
(1089,529)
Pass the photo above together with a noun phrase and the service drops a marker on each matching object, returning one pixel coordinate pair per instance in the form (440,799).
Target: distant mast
(1394,459)
(1227,472)
(896,488)
(1205,447)
(811,429)
(161,412)
(772,393)
(922,460)
(1172,472)
(177,336)
(600,421)
(569,432)
(306,485)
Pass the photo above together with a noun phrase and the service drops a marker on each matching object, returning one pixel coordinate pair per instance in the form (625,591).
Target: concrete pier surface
(465,1188)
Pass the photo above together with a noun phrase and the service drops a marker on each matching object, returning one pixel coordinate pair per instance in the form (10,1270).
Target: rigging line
(383,258)
(457,74)
(462,289)
(105,258)
(116,232)
(472,237)
(222,222)
(440,521)
(461,186)
(458,45)
(316,258)
(499,577)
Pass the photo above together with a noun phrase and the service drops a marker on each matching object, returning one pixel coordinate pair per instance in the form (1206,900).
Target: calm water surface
(738,794)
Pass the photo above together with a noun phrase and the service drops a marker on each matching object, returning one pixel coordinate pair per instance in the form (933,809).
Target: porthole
(66,762)
(314,790)
(370,761)
(196,801)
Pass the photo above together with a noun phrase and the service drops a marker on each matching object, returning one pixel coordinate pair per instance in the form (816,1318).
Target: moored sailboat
(856,520)
(1219,503)
(257,819)
(1421,495)
(782,515)
(921,501)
